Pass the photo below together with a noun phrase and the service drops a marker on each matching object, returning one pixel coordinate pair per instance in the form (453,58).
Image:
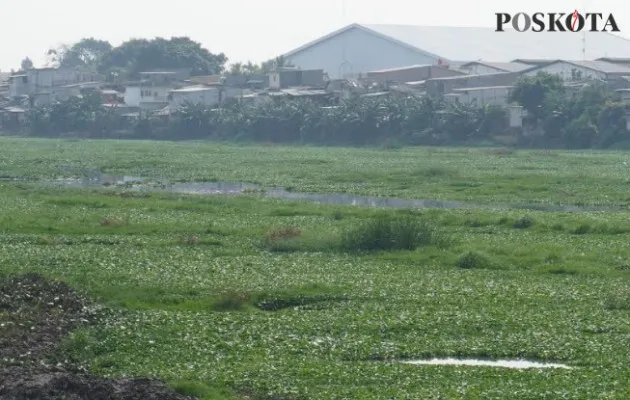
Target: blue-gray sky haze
(244,29)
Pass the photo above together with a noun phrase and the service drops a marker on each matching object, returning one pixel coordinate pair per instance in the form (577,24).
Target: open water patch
(95,179)
(512,364)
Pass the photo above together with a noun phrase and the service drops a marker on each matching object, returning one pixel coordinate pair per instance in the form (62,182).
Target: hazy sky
(244,30)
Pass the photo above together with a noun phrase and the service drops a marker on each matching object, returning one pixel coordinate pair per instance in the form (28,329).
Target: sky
(244,30)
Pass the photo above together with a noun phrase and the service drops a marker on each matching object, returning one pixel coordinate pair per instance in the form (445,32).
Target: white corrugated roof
(466,43)
(602,66)
(504,66)
(191,89)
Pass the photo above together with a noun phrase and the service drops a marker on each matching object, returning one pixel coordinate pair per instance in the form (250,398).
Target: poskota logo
(558,22)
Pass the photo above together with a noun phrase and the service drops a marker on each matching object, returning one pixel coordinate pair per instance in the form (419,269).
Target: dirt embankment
(35,315)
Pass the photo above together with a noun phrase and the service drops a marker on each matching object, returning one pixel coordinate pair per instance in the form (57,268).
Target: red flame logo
(575,20)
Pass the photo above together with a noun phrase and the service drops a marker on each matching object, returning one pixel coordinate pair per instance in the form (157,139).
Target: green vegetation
(590,117)
(199,296)
(481,176)
(138,55)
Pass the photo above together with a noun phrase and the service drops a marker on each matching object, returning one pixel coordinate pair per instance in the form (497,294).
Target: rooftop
(192,89)
(467,89)
(614,59)
(461,44)
(158,73)
(401,68)
(466,77)
(504,66)
(82,84)
(601,66)
(466,43)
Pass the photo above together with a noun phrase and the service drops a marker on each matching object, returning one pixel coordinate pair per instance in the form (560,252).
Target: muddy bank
(36,314)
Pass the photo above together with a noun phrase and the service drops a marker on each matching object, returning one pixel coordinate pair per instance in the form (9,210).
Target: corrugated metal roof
(614,59)
(469,44)
(82,84)
(15,110)
(400,68)
(466,77)
(602,66)
(192,89)
(158,73)
(472,89)
(503,66)
(375,94)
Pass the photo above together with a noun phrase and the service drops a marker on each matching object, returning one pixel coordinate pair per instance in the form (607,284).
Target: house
(47,80)
(624,62)
(487,67)
(63,92)
(318,95)
(492,95)
(204,95)
(412,73)
(152,91)
(575,71)
(442,86)
(4,82)
(12,117)
(359,48)
(111,96)
(533,62)
(292,77)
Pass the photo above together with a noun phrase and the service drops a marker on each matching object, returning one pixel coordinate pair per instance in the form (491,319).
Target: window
(25,79)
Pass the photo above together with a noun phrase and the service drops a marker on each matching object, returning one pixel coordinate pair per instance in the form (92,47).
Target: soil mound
(36,313)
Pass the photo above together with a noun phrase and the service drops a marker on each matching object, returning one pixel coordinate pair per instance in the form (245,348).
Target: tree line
(592,117)
(118,63)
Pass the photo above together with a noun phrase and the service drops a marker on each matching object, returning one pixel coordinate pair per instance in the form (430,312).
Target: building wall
(412,74)
(19,86)
(292,78)
(490,95)
(568,72)
(46,79)
(440,86)
(155,93)
(132,96)
(209,97)
(152,105)
(313,77)
(356,51)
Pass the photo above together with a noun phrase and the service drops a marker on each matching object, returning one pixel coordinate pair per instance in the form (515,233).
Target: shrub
(188,240)
(583,229)
(114,221)
(232,301)
(524,222)
(282,239)
(473,260)
(390,234)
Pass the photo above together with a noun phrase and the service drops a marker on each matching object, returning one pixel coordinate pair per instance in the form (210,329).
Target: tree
(26,64)
(137,55)
(531,91)
(274,64)
(236,69)
(250,68)
(88,52)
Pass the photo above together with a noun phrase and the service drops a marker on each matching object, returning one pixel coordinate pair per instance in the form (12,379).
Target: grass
(381,234)
(227,297)
(475,175)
